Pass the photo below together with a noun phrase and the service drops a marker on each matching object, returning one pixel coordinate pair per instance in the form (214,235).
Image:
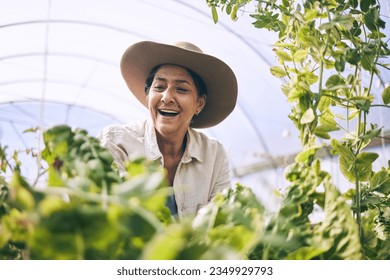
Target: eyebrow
(176,81)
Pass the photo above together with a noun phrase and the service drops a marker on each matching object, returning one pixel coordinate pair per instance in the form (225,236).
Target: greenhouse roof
(59,63)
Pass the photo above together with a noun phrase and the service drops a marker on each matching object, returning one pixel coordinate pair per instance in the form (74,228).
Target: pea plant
(329,54)
(81,207)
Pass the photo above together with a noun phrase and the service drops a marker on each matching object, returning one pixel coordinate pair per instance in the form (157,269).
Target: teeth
(168,111)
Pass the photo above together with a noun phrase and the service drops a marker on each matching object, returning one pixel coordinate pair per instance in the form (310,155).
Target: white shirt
(202,172)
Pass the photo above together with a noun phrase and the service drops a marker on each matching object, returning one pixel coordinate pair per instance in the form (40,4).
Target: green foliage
(86,210)
(68,151)
(338,234)
(234,219)
(130,220)
(326,49)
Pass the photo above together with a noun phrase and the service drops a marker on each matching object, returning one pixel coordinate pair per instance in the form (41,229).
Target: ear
(201,103)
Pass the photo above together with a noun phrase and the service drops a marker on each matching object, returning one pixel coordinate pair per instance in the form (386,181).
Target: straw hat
(139,59)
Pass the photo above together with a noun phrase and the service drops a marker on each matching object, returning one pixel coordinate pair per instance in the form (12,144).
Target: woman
(183,88)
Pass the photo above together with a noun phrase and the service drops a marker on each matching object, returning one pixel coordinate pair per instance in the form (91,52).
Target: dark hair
(199,83)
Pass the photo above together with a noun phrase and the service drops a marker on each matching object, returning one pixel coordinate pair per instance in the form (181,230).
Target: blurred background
(59,64)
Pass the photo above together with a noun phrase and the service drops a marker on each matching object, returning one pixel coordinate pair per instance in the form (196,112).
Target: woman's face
(173,100)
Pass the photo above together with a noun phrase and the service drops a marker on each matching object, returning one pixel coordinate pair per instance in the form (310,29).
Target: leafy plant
(84,209)
(83,212)
(329,52)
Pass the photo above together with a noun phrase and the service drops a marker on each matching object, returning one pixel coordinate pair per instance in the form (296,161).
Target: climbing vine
(329,53)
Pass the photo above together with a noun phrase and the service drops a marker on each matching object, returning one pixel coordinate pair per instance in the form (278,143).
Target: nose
(167,96)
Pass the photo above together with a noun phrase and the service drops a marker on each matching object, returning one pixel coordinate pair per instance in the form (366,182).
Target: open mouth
(168,113)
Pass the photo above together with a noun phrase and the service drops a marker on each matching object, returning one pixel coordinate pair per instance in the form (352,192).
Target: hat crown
(188,46)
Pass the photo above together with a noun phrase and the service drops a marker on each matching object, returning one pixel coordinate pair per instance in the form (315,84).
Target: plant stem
(357,183)
(358,205)
(380,105)
(321,68)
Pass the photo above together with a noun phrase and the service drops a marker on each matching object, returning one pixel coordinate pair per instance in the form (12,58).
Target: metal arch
(115,28)
(11,103)
(122,30)
(53,81)
(80,22)
(26,123)
(88,23)
(60,54)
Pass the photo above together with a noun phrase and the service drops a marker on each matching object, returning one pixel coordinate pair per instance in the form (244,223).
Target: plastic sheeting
(59,63)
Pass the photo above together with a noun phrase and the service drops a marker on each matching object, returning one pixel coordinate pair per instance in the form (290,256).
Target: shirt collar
(152,152)
(193,148)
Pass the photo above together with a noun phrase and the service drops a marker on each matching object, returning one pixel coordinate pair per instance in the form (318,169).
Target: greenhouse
(60,65)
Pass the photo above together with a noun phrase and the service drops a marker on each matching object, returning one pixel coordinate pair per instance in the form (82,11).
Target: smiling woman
(173,101)
(181,93)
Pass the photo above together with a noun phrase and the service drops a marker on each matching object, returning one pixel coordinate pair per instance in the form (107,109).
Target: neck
(171,147)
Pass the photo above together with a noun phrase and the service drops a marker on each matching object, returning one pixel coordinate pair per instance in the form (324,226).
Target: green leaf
(363,163)
(386,95)
(285,3)
(334,82)
(308,116)
(300,55)
(338,233)
(230,218)
(54,178)
(268,21)
(278,71)
(368,62)
(228,9)
(322,134)
(365,5)
(214,13)
(380,182)
(359,168)
(329,64)
(376,35)
(353,56)
(305,253)
(344,21)
(21,191)
(340,64)
(327,119)
(322,130)
(168,245)
(370,133)
(324,104)
(311,78)
(233,15)
(306,154)
(326,25)
(32,129)
(283,56)
(372,19)
(344,151)
(310,15)
(16,226)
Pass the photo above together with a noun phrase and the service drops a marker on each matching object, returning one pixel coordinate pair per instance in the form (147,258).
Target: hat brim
(139,59)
